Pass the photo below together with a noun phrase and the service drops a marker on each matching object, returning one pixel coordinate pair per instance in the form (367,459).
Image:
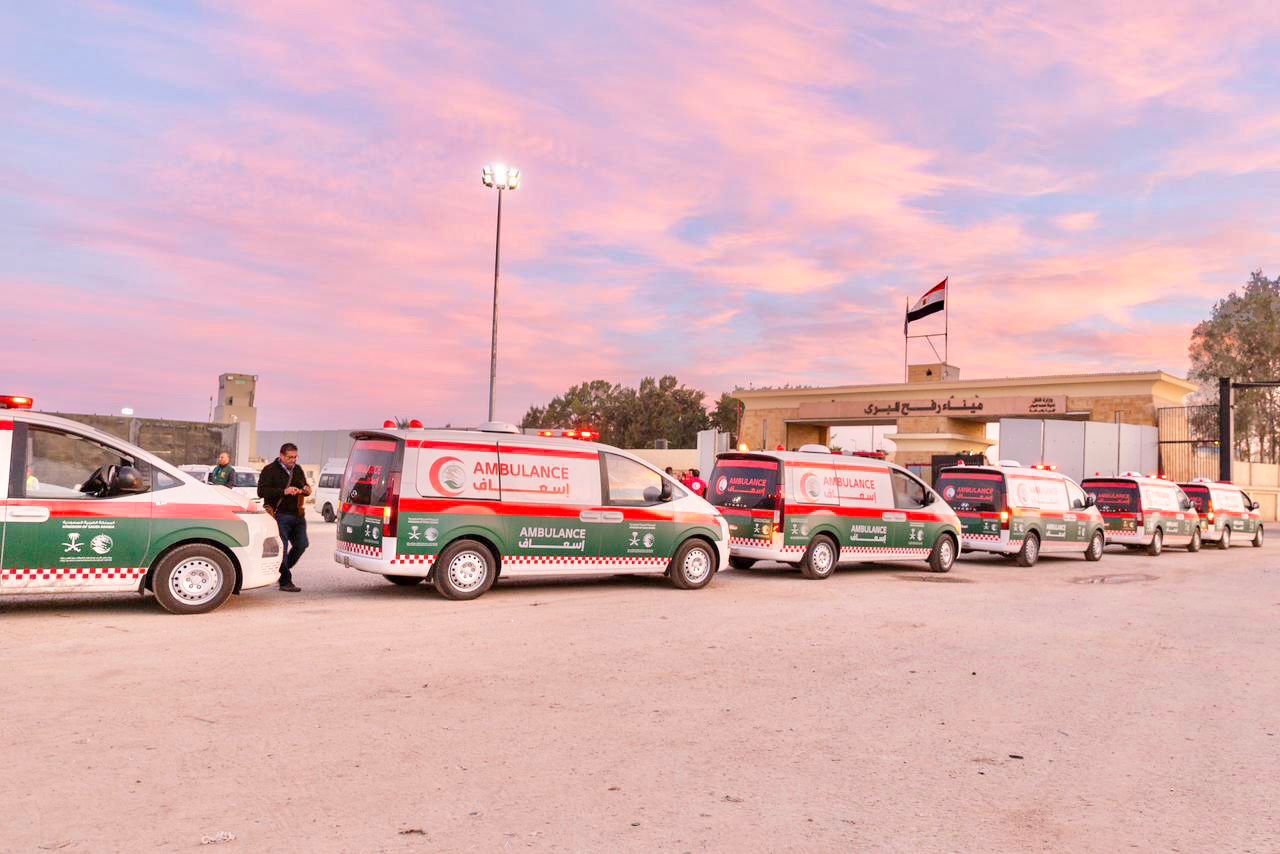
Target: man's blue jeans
(293,534)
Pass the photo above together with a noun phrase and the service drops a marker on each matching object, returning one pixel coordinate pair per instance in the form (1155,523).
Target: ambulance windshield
(372,471)
(1114,496)
(744,483)
(972,492)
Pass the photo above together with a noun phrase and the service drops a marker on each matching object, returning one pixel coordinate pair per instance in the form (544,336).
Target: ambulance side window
(58,464)
(1075,495)
(908,493)
(627,480)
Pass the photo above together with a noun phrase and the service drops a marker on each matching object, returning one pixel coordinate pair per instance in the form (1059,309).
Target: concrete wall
(680,459)
(177,442)
(315,447)
(1262,482)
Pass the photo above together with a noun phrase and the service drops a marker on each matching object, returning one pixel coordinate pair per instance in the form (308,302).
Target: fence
(1189,444)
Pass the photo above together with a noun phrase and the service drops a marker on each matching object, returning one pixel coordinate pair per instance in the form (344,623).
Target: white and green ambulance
(86,512)
(1023,511)
(1227,513)
(463,508)
(1145,512)
(815,509)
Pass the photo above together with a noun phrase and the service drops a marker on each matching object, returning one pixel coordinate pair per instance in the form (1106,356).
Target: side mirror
(929,498)
(1253,505)
(1090,501)
(127,480)
(654,494)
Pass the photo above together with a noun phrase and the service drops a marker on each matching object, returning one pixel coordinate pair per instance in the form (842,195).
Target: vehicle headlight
(271,547)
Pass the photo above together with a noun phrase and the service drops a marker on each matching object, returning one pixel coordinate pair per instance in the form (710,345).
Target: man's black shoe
(290,588)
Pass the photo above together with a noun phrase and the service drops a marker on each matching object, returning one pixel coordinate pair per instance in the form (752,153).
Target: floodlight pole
(493,344)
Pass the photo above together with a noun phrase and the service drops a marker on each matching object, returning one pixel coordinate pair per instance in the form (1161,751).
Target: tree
(1241,339)
(628,417)
(726,414)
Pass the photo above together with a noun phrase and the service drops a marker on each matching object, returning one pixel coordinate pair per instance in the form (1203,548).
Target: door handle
(894,517)
(589,516)
(613,517)
(26,514)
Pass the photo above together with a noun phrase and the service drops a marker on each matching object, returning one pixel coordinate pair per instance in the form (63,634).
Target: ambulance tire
(1194,545)
(1030,551)
(943,556)
(193,579)
(1097,545)
(693,565)
(465,570)
(742,562)
(405,580)
(1225,542)
(1157,543)
(820,558)
(1257,538)
(328,514)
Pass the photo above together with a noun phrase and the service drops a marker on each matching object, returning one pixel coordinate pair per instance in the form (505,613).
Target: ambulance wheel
(693,565)
(1257,538)
(819,559)
(193,579)
(465,570)
(328,514)
(1097,546)
(1194,545)
(943,556)
(1030,551)
(404,580)
(1225,542)
(742,562)
(1157,543)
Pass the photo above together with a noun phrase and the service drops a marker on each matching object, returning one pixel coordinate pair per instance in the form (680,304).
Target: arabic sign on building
(972,406)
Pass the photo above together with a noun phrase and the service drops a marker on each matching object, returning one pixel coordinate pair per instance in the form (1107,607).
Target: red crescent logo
(451,482)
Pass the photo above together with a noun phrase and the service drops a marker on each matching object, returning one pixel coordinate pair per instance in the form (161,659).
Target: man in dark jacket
(283,487)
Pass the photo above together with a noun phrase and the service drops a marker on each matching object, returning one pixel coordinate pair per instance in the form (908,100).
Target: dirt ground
(1132,704)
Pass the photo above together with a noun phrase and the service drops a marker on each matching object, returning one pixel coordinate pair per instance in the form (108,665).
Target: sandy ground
(886,709)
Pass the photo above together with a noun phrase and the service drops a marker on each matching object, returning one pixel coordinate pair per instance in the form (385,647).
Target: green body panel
(978,525)
(360,529)
(870,531)
(81,542)
(166,533)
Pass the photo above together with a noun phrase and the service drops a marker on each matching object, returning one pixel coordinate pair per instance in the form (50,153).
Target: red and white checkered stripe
(985,538)
(75,573)
(416,560)
(748,541)
(556,560)
(359,549)
(885,551)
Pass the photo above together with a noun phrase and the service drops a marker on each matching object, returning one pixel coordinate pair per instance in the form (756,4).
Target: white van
(246,478)
(328,489)
(814,509)
(465,507)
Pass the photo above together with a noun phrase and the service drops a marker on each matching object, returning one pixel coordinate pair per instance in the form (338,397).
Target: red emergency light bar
(15,401)
(584,435)
(1045,467)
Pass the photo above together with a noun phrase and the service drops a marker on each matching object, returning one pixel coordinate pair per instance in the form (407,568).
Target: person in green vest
(223,474)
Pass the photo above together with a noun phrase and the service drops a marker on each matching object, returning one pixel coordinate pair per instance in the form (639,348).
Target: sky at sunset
(733,193)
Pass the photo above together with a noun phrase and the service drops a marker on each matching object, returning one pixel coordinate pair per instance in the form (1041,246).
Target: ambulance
(1145,512)
(1226,512)
(1022,511)
(86,512)
(815,510)
(464,508)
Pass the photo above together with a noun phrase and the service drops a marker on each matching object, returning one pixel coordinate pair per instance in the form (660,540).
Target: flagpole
(905,338)
(946,322)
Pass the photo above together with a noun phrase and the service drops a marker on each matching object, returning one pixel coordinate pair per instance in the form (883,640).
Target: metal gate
(1189,444)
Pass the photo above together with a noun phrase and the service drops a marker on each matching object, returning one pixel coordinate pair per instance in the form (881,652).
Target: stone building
(937,412)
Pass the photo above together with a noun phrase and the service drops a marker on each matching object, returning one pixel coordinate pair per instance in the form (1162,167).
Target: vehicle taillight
(1210,511)
(1005,516)
(1137,518)
(391,512)
(779,515)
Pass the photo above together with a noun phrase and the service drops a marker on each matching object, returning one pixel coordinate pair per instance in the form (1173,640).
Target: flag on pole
(933,301)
